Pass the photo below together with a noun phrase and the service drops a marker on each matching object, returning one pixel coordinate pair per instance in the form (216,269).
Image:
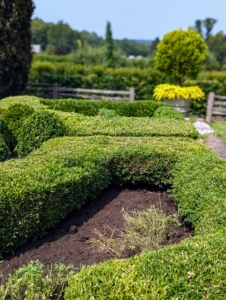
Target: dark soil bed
(67,242)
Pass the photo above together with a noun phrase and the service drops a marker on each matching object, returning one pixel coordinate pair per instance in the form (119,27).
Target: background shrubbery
(143,80)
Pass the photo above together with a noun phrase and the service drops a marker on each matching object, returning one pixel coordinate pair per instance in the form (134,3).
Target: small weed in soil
(143,230)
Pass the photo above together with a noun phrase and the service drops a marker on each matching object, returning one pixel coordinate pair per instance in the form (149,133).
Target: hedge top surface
(194,192)
(31,101)
(78,125)
(91,108)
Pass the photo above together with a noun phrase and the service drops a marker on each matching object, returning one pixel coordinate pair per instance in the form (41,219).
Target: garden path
(215,143)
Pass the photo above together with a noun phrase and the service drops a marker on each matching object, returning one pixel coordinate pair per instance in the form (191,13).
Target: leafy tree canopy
(180,54)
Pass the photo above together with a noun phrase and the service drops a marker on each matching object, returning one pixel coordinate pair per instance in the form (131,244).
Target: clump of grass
(143,230)
(29,282)
(107,113)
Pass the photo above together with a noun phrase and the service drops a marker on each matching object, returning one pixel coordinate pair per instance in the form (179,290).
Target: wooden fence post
(210,107)
(132,94)
(55,94)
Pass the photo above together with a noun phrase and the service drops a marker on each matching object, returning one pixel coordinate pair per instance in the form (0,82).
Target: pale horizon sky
(144,19)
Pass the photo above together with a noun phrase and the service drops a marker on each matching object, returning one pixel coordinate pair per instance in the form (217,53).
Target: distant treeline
(60,38)
(87,48)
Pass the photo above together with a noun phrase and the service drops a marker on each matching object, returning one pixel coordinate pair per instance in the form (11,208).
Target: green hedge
(168,112)
(14,117)
(78,125)
(91,108)
(38,128)
(144,80)
(98,77)
(39,190)
(4,150)
(194,269)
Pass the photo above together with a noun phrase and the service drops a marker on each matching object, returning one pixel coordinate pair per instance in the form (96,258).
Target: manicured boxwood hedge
(14,117)
(31,101)
(4,150)
(38,128)
(39,190)
(78,125)
(91,108)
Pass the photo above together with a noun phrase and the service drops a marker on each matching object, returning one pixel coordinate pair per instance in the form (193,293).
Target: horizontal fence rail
(53,91)
(217,108)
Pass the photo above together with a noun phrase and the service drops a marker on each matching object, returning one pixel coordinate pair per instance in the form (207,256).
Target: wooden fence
(215,108)
(53,91)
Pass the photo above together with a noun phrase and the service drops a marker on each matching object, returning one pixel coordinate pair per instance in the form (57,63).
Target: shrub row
(144,80)
(23,129)
(78,125)
(91,108)
(98,77)
(41,189)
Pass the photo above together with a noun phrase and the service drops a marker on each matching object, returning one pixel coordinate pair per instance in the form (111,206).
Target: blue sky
(143,19)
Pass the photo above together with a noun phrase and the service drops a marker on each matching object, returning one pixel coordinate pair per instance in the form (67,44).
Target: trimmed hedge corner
(38,128)
(13,117)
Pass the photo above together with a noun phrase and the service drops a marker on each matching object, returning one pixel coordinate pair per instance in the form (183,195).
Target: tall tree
(15,45)
(198,26)
(39,31)
(209,23)
(154,44)
(109,61)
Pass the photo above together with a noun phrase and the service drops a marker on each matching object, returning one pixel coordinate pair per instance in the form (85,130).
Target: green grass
(220,130)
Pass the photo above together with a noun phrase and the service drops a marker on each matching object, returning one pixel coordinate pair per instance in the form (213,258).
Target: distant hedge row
(143,80)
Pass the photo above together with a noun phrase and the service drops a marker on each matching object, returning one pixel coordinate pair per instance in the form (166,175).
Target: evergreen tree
(198,26)
(15,45)
(109,61)
(209,23)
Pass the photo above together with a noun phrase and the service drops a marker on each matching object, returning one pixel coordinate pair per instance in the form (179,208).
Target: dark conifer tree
(109,61)
(15,45)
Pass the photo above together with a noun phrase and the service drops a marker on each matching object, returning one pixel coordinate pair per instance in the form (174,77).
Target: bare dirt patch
(67,242)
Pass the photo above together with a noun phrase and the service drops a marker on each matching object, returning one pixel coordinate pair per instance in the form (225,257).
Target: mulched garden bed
(67,242)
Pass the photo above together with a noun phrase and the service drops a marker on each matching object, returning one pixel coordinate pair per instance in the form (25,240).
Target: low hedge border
(91,108)
(78,125)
